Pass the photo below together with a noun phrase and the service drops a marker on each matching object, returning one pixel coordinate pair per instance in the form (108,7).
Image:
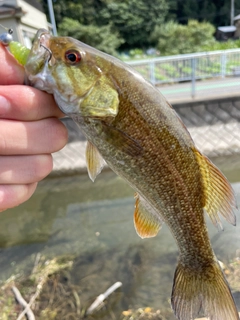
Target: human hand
(29,132)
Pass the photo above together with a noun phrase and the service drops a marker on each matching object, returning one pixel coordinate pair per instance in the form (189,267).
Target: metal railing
(189,67)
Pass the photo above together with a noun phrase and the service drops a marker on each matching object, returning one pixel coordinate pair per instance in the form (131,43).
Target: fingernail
(4,106)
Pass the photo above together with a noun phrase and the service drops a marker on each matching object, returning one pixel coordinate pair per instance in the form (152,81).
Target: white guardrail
(189,67)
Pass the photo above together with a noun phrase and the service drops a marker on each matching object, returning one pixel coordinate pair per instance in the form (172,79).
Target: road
(204,90)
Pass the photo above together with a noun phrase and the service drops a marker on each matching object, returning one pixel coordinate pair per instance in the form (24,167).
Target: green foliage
(113,25)
(65,8)
(216,12)
(230,44)
(136,52)
(80,19)
(89,12)
(190,9)
(173,38)
(102,38)
(135,19)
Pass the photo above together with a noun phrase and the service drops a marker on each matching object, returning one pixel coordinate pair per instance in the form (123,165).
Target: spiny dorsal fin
(219,195)
(146,219)
(95,162)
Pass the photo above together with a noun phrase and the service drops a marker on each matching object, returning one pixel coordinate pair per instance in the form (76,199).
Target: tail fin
(202,289)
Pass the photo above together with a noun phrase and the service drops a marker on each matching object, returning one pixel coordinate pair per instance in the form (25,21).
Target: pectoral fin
(146,219)
(95,162)
(219,195)
(122,141)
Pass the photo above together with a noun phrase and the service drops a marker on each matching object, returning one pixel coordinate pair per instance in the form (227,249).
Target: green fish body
(130,125)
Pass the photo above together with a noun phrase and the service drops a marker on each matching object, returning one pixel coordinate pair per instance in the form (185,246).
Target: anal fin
(146,219)
(94,160)
(218,193)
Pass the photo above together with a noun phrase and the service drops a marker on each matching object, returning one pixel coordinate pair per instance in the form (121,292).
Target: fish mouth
(40,54)
(40,48)
(48,51)
(38,70)
(39,60)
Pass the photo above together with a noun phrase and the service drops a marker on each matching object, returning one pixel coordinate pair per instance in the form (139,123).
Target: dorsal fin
(146,219)
(94,160)
(219,195)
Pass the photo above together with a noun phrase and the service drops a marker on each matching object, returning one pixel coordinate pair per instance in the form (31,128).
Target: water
(93,222)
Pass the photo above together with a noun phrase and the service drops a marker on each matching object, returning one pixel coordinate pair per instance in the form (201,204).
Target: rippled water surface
(93,222)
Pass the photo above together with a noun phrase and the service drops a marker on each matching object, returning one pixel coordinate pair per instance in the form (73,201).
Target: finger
(26,103)
(24,169)
(37,137)
(13,195)
(11,71)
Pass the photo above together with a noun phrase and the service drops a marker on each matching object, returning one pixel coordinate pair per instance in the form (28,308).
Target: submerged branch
(24,304)
(103,296)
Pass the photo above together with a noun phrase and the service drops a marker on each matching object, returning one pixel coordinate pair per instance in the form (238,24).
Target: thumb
(11,71)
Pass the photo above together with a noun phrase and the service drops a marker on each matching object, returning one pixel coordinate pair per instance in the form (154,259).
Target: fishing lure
(19,51)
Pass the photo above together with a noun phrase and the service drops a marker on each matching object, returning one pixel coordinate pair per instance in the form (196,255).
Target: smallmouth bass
(130,125)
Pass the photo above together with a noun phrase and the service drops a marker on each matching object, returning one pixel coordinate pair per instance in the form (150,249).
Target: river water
(94,222)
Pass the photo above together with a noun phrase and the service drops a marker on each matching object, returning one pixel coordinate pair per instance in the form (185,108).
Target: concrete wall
(209,112)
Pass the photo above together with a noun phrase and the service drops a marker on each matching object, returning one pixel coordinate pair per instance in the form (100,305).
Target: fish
(130,126)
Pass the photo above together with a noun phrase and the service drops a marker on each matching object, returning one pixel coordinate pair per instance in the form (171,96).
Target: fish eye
(72,56)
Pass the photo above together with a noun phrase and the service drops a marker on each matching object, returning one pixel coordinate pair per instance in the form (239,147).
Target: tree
(80,19)
(65,8)
(173,38)
(135,19)
(102,38)
(215,11)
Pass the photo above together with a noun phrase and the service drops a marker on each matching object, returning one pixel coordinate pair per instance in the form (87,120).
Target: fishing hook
(48,50)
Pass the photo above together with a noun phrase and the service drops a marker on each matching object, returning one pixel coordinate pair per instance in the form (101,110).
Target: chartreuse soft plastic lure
(19,51)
